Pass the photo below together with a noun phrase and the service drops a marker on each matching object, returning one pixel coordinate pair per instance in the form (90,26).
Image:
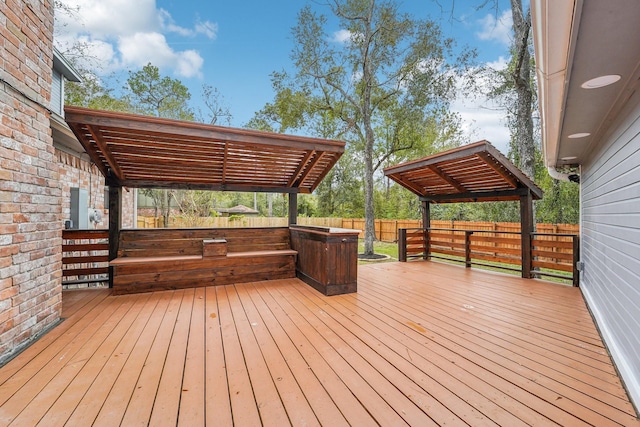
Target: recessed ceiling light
(568,158)
(578,135)
(601,81)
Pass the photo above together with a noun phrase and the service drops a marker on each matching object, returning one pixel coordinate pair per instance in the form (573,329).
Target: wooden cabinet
(327,258)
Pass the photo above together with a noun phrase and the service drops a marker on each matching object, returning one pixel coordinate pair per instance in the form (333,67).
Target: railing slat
(85,256)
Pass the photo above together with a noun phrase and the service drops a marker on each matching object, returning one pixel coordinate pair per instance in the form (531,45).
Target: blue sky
(235,46)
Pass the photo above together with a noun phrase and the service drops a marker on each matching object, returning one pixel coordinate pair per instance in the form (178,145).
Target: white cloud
(189,63)
(167,23)
(142,48)
(125,33)
(498,30)
(209,29)
(108,18)
(483,118)
(341,36)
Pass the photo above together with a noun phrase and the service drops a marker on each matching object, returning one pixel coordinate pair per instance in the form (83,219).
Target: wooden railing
(552,254)
(85,257)
(387,230)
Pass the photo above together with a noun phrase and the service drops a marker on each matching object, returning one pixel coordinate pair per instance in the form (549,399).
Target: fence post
(395,229)
(467,248)
(402,245)
(576,259)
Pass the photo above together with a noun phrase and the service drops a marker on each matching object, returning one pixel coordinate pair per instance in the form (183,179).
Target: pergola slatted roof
(474,172)
(150,152)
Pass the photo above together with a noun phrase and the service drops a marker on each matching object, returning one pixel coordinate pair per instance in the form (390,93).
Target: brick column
(30,195)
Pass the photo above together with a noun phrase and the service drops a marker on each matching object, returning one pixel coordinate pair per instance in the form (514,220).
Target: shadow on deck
(421,343)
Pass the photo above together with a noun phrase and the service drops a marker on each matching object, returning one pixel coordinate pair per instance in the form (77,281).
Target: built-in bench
(162,259)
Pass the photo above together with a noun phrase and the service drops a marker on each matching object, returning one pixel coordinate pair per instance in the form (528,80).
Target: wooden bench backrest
(169,242)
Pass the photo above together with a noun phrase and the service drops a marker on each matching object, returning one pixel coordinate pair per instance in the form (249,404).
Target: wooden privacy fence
(551,254)
(85,257)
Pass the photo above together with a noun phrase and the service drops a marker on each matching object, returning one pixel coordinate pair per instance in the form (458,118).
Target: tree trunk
(524,91)
(165,207)
(369,213)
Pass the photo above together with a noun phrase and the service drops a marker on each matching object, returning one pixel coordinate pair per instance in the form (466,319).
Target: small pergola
(150,152)
(476,172)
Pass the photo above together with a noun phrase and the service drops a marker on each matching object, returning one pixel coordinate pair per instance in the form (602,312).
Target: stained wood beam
(197,130)
(309,167)
(526,228)
(77,130)
(455,184)
(409,185)
(490,161)
(514,194)
(302,164)
(456,154)
(111,161)
(115,224)
(249,188)
(293,208)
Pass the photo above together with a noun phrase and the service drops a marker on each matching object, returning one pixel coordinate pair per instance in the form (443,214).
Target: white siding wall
(611,242)
(57,87)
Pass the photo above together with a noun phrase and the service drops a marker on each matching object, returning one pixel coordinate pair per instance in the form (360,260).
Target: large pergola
(476,172)
(150,152)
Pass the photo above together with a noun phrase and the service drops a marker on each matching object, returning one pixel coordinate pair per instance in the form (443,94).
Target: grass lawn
(390,249)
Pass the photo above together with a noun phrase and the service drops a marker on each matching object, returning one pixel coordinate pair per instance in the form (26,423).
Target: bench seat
(160,259)
(165,259)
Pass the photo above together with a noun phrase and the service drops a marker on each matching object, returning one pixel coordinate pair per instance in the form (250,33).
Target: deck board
(421,343)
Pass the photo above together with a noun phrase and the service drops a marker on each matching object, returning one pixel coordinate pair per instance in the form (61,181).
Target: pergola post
(526,228)
(426,224)
(293,208)
(115,224)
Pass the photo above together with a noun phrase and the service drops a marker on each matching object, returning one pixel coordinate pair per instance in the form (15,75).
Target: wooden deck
(420,344)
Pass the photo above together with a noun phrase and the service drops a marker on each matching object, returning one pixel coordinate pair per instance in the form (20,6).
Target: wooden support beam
(293,208)
(402,245)
(115,224)
(526,228)
(426,224)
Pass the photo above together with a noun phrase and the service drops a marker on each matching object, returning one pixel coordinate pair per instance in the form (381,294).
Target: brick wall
(30,196)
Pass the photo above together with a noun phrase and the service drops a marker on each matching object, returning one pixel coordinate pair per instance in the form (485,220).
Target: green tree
(391,65)
(152,94)
(155,95)
(91,93)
